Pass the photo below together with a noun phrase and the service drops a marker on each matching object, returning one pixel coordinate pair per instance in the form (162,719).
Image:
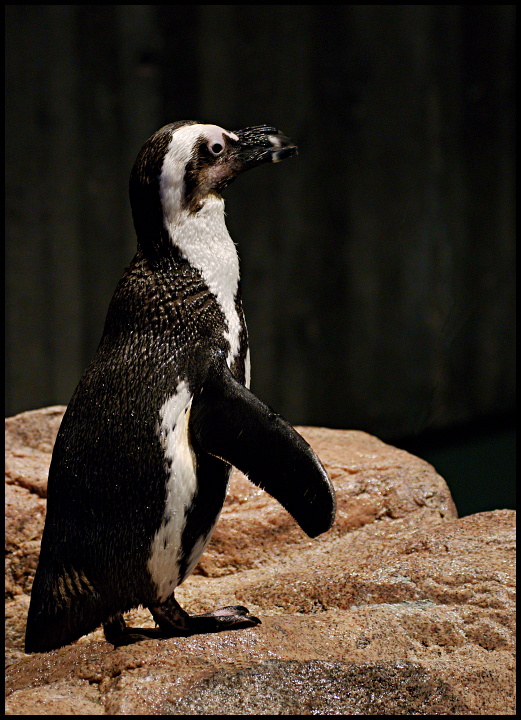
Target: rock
(400,609)
(29,440)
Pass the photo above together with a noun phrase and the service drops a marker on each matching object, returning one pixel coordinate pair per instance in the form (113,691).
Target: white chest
(204,241)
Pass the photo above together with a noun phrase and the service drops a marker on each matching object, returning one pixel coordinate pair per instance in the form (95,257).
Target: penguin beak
(261,144)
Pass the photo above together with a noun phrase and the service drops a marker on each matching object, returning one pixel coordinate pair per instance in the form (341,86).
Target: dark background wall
(378,266)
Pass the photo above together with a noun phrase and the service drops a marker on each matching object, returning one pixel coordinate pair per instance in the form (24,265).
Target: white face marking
(163,563)
(202,237)
(214,133)
(171,182)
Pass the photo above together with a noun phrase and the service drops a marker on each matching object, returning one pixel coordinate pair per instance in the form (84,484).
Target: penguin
(143,456)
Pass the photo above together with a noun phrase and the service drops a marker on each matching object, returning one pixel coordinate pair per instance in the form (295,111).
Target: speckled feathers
(143,456)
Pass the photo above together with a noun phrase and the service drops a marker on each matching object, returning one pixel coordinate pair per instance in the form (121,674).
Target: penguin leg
(174,621)
(117,633)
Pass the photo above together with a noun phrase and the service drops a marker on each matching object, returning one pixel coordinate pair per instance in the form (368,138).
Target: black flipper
(228,421)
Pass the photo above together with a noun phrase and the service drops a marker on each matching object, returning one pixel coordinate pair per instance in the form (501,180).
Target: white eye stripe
(179,152)
(215,137)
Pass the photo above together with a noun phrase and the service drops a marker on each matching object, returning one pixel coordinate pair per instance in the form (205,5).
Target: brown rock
(399,609)
(373,481)
(29,440)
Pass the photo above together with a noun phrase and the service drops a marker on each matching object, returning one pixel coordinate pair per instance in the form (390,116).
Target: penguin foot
(231,616)
(173,621)
(117,633)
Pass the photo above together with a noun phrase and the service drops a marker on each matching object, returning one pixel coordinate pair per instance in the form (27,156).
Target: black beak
(262,144)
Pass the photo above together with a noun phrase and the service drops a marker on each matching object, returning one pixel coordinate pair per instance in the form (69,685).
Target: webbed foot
(174,621)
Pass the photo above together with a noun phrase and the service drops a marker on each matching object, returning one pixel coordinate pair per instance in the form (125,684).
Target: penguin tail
(59,612)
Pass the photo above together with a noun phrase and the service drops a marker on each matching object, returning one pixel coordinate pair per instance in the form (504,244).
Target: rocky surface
(400,609)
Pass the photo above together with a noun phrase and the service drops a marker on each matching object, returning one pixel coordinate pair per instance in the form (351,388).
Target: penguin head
(218,156)
(185,163)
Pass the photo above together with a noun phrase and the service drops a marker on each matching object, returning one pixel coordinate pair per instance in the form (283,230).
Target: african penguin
(143,456)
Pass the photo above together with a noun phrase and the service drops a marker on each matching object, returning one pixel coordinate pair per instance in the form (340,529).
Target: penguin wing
(230,422)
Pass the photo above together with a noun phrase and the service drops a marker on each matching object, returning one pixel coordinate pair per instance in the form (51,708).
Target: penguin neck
(202,238)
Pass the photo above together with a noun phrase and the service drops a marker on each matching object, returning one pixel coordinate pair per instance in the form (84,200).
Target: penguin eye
(216,148)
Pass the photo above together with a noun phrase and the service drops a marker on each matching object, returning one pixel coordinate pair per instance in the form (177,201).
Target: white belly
(163,563)
(166,551)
